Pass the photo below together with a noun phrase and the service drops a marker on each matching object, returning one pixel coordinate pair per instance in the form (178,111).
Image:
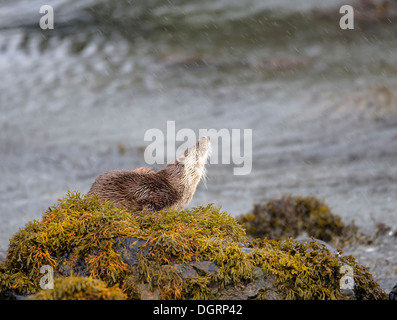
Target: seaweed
(190,254)
(80,288)
(309,271)
(291,216)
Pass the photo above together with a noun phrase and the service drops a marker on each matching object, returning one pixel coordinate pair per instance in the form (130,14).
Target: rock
(247,250)
(205,268)
(393,293)
(129,249)
(145,293)
(201,253)
(326,245)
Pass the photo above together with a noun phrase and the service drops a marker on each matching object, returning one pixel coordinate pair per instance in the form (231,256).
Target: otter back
(135,190)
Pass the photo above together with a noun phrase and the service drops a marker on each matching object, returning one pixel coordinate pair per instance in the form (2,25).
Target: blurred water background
(77,100)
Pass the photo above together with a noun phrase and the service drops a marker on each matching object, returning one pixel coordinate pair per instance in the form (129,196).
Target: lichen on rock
(201,253)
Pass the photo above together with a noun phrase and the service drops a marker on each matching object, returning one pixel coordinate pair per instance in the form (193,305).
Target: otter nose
(203,143)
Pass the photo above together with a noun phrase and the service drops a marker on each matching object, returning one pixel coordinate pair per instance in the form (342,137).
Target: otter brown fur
(143,188)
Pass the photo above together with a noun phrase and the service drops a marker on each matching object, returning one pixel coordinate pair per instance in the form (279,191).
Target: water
(77,100)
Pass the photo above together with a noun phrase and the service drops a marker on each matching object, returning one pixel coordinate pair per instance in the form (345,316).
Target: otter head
(194,158)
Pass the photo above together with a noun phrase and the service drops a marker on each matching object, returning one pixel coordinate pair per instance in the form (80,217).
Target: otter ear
(182,157)
(180,160)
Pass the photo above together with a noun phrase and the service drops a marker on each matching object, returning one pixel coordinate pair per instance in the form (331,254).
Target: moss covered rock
(291,216)
(191,254)
(80,288)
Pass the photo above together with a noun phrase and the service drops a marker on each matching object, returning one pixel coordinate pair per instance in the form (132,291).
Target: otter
(172,187)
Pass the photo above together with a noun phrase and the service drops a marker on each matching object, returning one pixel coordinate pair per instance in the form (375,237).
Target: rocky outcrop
(201,253)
